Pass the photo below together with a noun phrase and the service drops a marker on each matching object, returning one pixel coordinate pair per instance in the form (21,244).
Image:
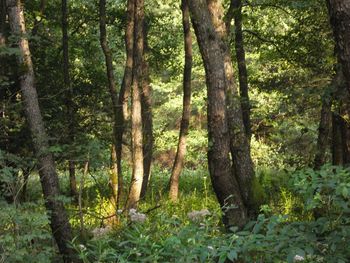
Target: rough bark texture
(115,158)
(186,111)
(242,66)
(337,142)
(225,185)
(339,12)
(49,180)
(147,119)
(240,149)
(69,99)
(136,115)
(324,131)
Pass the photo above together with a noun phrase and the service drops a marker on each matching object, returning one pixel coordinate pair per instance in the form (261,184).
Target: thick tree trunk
(324,131)
(147,120)
(339,12)
(242,66)
(136,115)
(186,110)
(58,217)
(337,139)
(115,162)
(240,149)
(69,100)
(225,185)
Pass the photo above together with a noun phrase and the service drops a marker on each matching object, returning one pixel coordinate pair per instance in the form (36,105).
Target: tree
(49,180)
(136,114)
(69,99)
(225,185)
(114,97)
(186,111)
(243,170)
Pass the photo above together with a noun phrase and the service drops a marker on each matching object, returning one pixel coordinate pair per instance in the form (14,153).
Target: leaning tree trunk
(147,120)
(115,162)
(225,185)
(240,149)
(69,101)
(186,111)
(136,115)
(48,177)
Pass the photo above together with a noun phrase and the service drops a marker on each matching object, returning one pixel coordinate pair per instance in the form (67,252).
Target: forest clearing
(175,131)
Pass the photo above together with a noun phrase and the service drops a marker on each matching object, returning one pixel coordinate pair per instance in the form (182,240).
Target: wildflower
(210,248)
(98,232)
(198,215)
(82,247)
(136,217)
(298,258)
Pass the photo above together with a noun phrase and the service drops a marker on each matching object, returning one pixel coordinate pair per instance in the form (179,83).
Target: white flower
(136,217)
(98,232)
(298,258)
(198,215)
(210,248)
(119,211)
(82,247)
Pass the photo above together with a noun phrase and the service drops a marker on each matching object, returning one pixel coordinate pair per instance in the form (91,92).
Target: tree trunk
(242,66)
(337,139)
(136,115)
(116,159)
(147,120)
(69,101)
(339,12)
(324,131)
(240,149)
(225,185)
(186,111)
(58,217)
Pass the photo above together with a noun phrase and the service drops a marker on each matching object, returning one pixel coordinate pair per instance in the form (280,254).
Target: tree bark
(147,119)
(69,100)
(186,110)
(115,158)
(339,12)
(48,177)
(242,66)
(225,185)
(324,131)
(239,146)
(136,115)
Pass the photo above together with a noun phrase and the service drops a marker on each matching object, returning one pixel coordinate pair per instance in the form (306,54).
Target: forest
(175,131)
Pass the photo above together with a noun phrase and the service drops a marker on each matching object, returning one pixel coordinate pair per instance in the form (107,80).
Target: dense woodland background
(174,131)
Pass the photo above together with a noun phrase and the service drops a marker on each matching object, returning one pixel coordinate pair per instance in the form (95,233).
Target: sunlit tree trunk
(69,100)
(136,114)
(114,97)
(48,177)
(225,185)
(186,110)
(243,169)
(147,120)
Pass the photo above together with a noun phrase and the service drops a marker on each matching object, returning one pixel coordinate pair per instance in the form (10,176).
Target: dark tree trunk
(339,12)
(186,111)
(147,120)
(69,100)
(36,21)
(115,162)
(337,140)
(225,185)
(136,115)
(58,217)
(242,66)
(240,149)
(324,131)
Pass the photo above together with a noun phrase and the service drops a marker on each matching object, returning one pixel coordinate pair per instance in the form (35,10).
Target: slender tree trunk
(69,99)
(242,66)
(339,12)
(186,110)
(136,118)
(36,21)
(115,162)
(225,185)
(58,217)
(324,131)
(147,120)
(240,149)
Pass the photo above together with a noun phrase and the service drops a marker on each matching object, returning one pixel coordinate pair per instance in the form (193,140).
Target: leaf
(232,255)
